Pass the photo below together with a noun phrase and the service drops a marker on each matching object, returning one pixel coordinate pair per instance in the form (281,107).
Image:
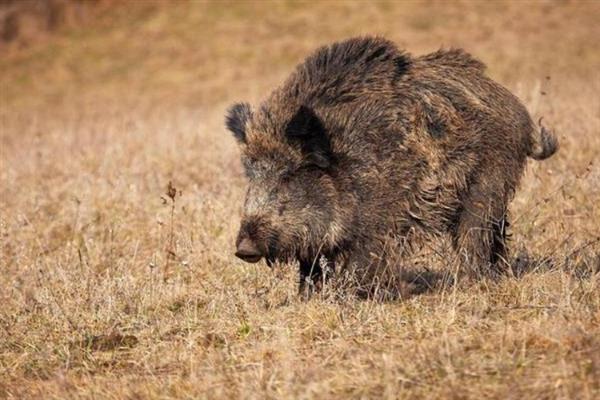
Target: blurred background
(199,53)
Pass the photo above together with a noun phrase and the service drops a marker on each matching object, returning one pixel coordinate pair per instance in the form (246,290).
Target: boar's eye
(286,177)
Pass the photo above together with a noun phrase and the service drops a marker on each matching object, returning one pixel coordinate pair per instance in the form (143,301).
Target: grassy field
(109,288)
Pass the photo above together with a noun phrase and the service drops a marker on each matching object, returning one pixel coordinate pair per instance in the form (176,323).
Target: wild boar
(363,143)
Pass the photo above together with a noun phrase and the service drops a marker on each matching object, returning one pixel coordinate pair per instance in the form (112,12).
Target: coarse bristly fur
(364,143)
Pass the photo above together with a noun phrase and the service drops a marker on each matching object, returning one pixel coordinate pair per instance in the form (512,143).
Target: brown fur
(364,143)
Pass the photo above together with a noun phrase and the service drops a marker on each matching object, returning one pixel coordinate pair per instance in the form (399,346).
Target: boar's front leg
(312,276)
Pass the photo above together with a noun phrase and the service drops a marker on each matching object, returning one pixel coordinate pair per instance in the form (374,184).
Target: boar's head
(291,203)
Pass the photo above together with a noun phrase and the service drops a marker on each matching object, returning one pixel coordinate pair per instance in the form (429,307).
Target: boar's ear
(236,119)
(306,130)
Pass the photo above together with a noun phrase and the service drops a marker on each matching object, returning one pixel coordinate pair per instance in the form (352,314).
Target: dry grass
(109,291)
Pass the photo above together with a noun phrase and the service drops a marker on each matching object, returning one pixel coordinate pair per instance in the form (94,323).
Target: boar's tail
(543,142)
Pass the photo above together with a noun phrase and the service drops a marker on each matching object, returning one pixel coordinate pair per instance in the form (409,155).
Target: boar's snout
(248,251)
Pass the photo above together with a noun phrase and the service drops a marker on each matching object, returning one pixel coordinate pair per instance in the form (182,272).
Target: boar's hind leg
(479,235)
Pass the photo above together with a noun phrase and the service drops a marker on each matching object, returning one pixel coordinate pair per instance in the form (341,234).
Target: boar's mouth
(272,250)
(271,259)
(248,258)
